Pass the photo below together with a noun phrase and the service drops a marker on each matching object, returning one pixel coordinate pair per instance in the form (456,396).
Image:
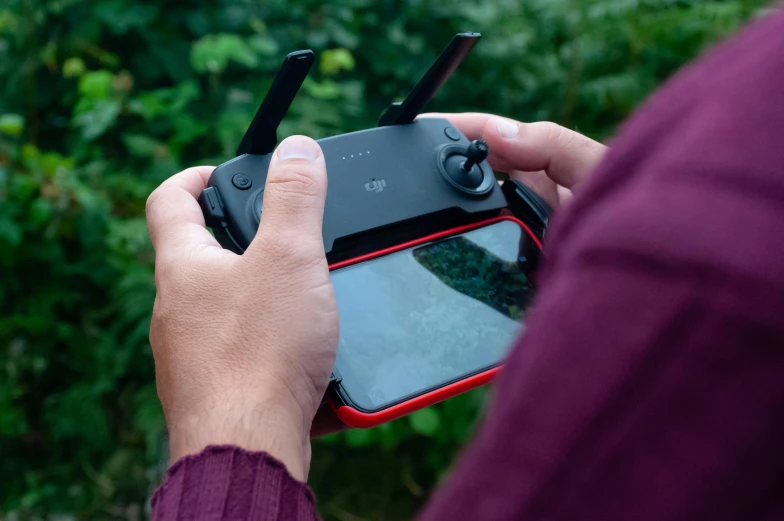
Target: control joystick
(462,166)
(476,152)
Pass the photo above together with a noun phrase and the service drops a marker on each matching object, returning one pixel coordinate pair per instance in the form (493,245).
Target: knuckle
(558,134)
(295,178)
(488,129)
(553,131)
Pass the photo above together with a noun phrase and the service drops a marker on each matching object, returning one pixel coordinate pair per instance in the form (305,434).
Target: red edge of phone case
(354,418)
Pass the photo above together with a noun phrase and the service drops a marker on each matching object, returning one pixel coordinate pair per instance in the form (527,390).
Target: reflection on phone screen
(419,318)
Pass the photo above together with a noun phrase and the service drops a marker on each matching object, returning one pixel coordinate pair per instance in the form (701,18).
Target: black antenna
(405,112)
(262,137)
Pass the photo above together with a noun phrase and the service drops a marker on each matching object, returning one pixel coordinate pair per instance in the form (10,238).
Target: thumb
(294,193)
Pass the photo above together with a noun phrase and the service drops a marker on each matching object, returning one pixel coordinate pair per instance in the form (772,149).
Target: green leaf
(12,420)
(76,414)
(264,45)
(184,94)
(40,211)
(11,124)
(141,145)
(98,119)
(325,90)
(213,53)
(425,421)
(10,232)
(167,101)
(187,129)
(73,67)
(122,16)
(335,60)
(95,84)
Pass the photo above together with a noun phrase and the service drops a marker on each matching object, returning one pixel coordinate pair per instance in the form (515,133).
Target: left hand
(244,344)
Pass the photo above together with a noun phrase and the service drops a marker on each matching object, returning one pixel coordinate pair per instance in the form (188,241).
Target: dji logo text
(376,185)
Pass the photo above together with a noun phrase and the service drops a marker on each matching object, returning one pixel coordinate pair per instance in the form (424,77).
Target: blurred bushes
(100,100)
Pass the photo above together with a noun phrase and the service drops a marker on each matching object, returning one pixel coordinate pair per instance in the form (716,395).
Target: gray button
(241,181)
(452,133)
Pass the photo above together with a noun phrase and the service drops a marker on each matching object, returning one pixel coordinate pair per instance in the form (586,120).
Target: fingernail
(506,128)
(298,147)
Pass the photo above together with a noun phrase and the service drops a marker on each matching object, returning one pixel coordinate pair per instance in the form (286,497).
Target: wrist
(267,422)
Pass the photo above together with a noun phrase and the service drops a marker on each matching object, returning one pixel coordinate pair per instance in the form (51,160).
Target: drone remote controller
(405,180)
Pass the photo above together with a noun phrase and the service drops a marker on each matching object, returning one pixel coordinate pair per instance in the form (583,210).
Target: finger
(294,194)
(174,218)
(193,180)
(470,124)
(565,155)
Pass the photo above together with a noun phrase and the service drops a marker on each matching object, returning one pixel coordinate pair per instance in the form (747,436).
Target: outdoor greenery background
(100,100)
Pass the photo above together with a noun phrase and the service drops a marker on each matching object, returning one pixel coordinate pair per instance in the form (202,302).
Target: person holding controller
(649,383)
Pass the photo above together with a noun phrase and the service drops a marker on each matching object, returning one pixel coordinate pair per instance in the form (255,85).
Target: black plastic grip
(428,86)
(262,136)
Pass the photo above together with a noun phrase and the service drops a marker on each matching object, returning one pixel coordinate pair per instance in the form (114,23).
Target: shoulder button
(452,133)
(212,207)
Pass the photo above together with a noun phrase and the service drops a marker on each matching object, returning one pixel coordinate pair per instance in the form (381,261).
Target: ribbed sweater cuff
(228,482)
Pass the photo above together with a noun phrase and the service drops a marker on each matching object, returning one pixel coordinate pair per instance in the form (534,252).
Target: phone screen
(418,319)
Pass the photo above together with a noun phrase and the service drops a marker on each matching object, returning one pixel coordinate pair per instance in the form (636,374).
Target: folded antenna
(405,112)
(262,137)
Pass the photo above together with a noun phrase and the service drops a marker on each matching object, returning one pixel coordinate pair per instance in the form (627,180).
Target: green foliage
(100,100)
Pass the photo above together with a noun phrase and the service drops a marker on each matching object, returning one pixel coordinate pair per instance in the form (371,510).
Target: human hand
(244,344)
(546,157)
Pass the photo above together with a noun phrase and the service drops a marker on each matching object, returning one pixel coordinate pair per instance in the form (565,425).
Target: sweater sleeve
(227,482)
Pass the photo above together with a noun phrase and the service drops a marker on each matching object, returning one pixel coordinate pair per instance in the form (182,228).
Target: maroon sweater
(649,384)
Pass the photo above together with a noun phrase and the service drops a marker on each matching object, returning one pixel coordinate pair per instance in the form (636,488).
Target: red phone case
(355,418)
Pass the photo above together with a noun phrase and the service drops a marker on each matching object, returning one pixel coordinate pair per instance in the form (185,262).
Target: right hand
(546,157)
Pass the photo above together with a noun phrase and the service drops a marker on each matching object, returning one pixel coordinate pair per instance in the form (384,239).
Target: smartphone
(429,318)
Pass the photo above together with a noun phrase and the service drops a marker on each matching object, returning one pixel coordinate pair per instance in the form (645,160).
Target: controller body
(378,178)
